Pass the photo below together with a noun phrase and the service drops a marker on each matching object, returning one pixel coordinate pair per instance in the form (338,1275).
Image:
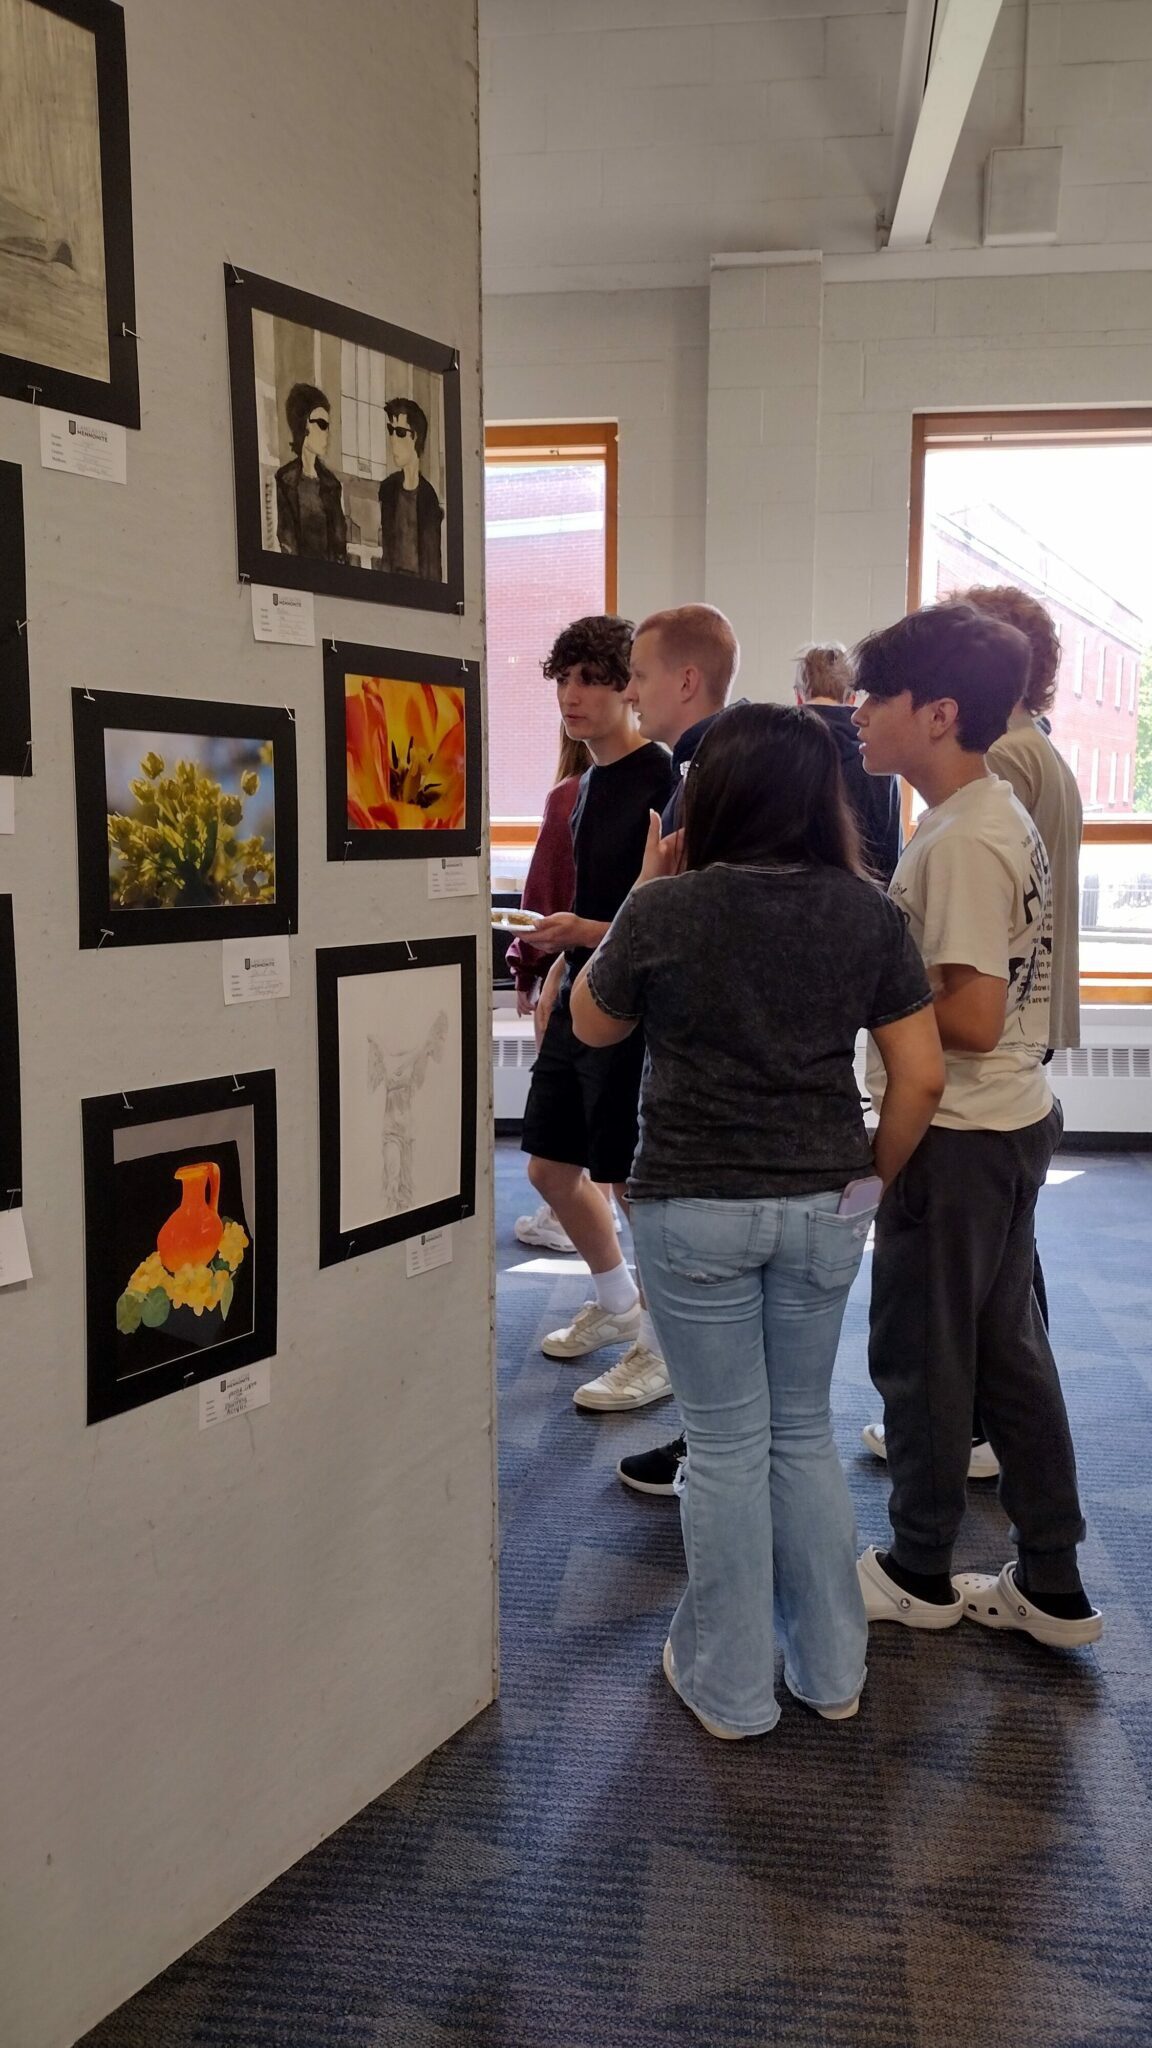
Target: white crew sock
(648,1335)
(616,1290)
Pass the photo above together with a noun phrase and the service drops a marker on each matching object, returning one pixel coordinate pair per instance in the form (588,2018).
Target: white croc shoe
(884,1600)
(591,1330)
(996,1602)
(982,1463)
(635,1381)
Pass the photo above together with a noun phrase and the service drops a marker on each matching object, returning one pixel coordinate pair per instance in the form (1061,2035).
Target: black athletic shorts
(583,1101)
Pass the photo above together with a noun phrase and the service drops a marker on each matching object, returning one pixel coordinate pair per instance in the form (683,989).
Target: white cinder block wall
(641,139)
(217,1646)
(640,358)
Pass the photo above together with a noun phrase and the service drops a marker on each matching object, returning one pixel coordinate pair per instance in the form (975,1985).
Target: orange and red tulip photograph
(406,757)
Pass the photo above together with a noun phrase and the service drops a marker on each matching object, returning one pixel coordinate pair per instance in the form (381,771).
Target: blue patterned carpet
(966,1865)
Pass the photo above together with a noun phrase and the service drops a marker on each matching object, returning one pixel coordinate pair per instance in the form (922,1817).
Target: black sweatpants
(955,1325)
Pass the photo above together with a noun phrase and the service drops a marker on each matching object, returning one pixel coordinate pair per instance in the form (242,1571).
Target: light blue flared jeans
(747,1298)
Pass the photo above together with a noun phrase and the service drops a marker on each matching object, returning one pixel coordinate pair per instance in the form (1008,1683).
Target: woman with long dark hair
(752,970)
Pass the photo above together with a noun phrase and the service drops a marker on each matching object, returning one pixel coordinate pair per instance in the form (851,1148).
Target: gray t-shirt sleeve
(901,985)
(615,981)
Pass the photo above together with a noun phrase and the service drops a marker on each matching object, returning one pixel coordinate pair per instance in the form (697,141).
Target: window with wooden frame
(550,557)
(1060,503)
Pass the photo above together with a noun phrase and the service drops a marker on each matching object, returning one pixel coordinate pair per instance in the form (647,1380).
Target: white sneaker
(544,1228)
(982,1463)
(635,1381)
(591,1330)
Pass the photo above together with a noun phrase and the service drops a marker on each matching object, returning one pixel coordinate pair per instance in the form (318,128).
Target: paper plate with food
(520,922)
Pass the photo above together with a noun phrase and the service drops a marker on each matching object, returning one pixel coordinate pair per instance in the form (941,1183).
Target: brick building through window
(1094,722)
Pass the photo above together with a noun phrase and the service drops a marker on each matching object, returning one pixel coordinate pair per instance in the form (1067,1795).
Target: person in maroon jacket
(549,885)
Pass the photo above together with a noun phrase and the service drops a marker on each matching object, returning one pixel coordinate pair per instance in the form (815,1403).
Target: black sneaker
(653,1471)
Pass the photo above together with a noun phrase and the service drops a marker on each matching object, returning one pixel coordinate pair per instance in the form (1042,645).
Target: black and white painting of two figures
(352,456)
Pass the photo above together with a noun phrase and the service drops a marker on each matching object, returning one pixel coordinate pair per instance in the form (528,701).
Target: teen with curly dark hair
(582,1106)
(1046,787)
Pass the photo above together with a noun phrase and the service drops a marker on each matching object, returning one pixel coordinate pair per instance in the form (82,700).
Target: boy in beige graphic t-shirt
(954,1319)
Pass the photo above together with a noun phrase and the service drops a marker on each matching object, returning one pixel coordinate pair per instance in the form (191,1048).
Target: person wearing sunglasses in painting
(411,514)
(309,500)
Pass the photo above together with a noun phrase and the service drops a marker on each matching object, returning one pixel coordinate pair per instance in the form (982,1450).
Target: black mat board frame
(245,294)
(101,924)
(102,1116)
(11,1166)
(333,965)
(347,842)
(118,398)
(15,706)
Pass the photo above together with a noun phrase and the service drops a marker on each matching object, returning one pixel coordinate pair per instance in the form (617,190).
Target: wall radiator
(1105,1085)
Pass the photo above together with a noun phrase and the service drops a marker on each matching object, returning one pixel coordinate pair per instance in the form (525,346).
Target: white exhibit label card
(431,1248)
(454,877)
(234,1393)
(7,803)
(14,1261)
(85,447)
(256,970)
(285,615)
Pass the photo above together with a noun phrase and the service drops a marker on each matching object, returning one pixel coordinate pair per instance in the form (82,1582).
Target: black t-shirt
(609,830)
(875,799)
(751,985)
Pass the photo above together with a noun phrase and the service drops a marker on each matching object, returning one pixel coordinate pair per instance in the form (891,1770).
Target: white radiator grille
(513,1052)
(1103,1063)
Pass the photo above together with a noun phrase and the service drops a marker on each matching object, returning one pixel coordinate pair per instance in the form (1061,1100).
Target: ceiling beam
(950,38)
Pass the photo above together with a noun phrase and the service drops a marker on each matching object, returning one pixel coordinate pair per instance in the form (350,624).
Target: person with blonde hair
(826,683)
(684,662)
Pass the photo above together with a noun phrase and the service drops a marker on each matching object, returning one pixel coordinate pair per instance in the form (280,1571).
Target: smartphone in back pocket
(860,1194)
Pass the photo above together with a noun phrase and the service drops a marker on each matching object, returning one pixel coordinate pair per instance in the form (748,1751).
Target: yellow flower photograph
(191,821)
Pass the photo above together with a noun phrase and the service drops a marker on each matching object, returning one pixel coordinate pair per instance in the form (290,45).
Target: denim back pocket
(715,1241)
(836,1246)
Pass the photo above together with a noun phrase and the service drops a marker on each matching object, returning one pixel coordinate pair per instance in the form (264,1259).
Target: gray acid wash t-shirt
(752,984)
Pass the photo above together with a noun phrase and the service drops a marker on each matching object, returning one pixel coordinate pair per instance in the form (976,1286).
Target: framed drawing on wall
(185,818)
(180,1236)
(396,1033)
(346,442)
(402,741)
(11,1168)
(15,710)
(67,291)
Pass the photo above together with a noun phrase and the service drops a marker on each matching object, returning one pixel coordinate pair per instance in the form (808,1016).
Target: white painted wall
(886,349)
(627,141)
(217,1647)
(640,358)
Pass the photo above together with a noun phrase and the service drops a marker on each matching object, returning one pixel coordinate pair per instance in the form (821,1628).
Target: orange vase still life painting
(406,755)
(196,1257)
